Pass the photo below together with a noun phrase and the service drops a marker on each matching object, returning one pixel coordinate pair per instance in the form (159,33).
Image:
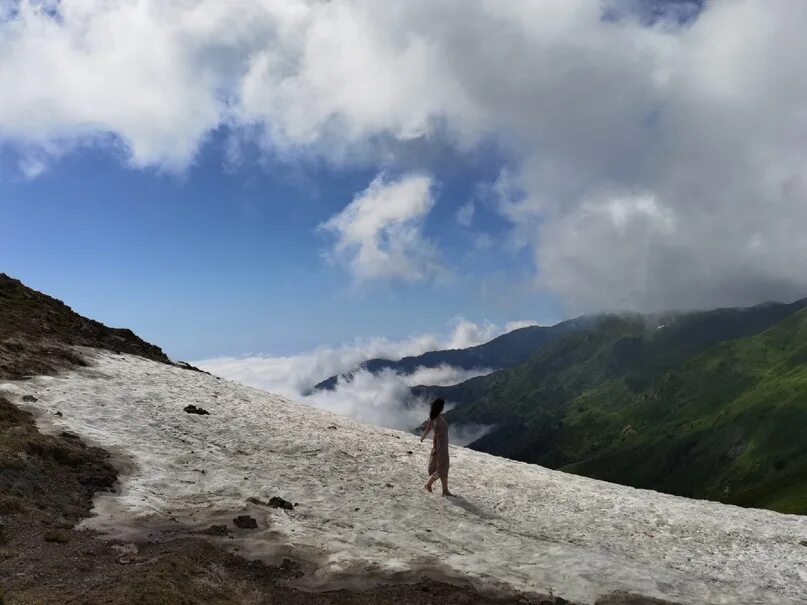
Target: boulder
(245,522)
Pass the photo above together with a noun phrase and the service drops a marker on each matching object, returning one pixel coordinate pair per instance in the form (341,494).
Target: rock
(803,543)
(216,530)
(57,535)
(245,522)
(278,502)
(192,409)
(332,427)
(59,414)
(185,365)
(291,568)
(409,452)
(66,435)
(29,398)
(274,502)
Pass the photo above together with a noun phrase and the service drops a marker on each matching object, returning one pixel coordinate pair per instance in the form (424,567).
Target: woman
(438,461)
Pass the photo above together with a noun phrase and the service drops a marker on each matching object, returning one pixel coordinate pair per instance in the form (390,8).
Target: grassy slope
(726,425)
(664,409)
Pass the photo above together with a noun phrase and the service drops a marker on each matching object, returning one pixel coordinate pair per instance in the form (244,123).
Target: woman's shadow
(469,506)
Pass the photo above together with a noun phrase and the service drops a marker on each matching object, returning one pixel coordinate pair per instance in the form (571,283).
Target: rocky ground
(47,485)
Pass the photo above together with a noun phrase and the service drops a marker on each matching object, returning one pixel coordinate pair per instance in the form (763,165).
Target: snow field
(362,510)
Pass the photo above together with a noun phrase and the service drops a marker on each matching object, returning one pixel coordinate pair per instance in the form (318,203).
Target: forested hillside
(709,405)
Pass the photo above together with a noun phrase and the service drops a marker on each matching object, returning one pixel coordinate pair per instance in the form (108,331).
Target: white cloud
(708,120)
(384,399)
(468,333)
(296,375)
(518,324)
(32,167)
(465,214)
(379,234)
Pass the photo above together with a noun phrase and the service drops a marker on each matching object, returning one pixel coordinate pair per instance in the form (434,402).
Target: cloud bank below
(384,399)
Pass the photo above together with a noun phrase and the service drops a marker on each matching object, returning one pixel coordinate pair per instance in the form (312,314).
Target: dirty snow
(362,512)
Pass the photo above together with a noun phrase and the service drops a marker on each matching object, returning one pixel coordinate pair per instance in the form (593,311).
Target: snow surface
(362,510)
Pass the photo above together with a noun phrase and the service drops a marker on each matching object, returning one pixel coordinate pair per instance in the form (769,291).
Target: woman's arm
(426,432)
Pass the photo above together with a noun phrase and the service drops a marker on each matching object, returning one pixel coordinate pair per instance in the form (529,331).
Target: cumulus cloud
(379,234)
(601,106)
(468,333)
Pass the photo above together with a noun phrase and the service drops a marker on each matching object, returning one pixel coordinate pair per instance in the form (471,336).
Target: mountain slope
(504,351)
(50,481)
(584,404)
(360,511)
(728,425)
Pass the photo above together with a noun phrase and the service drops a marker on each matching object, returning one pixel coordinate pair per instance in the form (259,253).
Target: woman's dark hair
(437,407)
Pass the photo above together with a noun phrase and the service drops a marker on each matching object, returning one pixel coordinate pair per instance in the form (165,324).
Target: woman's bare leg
(444,481)
(430,482)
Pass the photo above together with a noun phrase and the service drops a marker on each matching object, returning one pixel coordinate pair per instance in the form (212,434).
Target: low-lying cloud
(384,399)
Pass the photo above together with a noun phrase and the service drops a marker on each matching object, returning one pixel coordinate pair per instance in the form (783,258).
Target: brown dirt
(47,485)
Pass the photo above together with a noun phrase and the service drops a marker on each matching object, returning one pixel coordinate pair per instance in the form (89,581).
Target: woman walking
(438,461)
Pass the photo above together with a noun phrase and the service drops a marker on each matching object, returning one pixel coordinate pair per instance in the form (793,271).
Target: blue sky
(225,259)
(301,174)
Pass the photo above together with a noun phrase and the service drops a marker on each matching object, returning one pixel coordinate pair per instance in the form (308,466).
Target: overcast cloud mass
(656,163)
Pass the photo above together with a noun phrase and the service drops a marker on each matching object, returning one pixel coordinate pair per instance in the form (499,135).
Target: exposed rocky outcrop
(37,331)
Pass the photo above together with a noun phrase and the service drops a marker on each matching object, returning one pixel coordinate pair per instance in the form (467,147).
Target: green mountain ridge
(709,405)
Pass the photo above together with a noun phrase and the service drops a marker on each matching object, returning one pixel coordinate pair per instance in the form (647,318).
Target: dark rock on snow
(274,502)
(192,409)
(187,366)
(245,522)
